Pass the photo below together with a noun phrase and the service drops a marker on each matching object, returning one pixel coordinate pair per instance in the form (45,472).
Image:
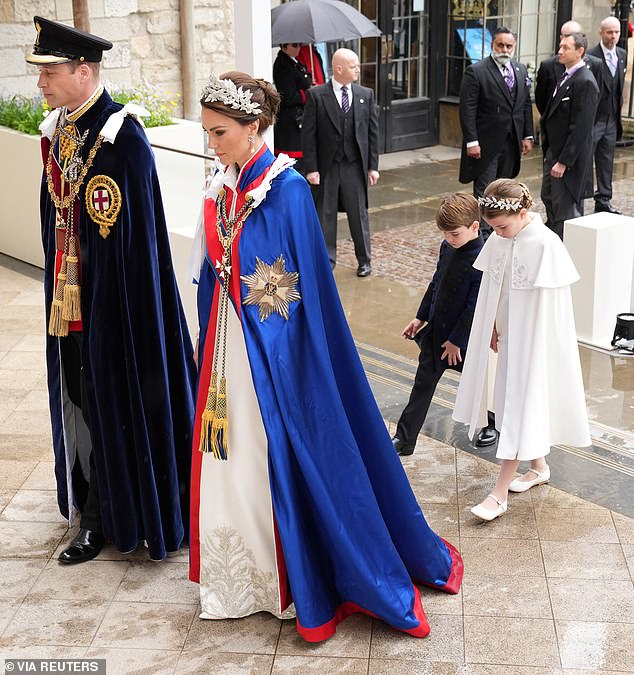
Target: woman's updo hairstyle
(263,93)
(504,196)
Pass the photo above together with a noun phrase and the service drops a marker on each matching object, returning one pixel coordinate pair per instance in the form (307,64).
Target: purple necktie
(509,76)
(562,79)
(345,101)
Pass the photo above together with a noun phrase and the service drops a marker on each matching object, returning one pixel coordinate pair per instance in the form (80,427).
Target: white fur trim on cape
(110,129)
(113,125)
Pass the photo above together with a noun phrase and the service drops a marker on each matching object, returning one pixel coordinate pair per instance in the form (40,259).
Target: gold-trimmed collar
(76,114)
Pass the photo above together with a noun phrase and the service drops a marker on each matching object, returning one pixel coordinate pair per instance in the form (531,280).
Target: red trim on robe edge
(197,456)
(286,597)
(344,610)
(294,154)
(302,93)
(214,251)
(452,584)
(56,173)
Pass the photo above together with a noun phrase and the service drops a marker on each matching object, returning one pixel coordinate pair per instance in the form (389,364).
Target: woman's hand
(494,340)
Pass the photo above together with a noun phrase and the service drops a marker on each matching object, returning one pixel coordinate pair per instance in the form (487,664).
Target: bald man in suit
(607,126)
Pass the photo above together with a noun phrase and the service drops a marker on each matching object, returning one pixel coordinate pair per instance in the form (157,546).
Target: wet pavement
(547,588)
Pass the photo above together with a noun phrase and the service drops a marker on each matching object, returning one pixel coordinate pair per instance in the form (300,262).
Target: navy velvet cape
(353,536)
(137,353)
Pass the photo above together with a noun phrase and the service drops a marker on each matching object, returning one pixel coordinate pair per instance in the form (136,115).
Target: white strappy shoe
(519,485)
(486,514)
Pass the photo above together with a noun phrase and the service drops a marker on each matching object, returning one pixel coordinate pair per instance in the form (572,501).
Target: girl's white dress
(539,394)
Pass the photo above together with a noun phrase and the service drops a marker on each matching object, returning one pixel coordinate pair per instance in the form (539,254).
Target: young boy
(443,321)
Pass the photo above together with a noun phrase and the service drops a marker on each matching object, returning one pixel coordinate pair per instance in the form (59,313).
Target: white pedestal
(602,248)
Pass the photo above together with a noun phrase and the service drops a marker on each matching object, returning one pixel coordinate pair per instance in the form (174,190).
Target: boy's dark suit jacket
(488,113)
(321,133)
(567,128)
(607,105)
(550,72)
(449,302)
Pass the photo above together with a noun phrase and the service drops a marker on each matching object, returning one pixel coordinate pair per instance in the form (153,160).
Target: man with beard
(495,116)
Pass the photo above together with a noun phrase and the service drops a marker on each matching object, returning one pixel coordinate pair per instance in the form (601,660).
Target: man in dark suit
(551,69)
(567,124)
(607,126)
(495,116)
(340,144)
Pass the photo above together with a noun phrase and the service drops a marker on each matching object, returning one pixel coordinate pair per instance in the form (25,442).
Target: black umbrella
(309,21)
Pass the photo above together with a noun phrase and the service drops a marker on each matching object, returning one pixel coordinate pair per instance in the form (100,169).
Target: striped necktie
(612,62)
(345,101)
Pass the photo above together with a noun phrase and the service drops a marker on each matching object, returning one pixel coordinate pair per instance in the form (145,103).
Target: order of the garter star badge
(103,202)
(271,288)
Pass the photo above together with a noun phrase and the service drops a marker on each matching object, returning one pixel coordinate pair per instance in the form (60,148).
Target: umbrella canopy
(319,21)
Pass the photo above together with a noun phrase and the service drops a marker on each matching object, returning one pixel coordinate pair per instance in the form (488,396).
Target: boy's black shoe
(401,448)
(487,436)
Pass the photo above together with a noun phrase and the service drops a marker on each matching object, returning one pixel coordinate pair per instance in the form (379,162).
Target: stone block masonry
(146,37)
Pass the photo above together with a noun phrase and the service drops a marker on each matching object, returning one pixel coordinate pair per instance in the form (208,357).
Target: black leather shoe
(487,436)
(401,448)
(364,270)
(600,207)
(85,546)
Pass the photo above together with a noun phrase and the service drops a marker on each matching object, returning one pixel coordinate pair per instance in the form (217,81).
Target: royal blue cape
(137,353)
(353,536)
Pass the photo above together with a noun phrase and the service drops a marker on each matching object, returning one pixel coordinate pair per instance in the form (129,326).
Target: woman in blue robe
(300,506)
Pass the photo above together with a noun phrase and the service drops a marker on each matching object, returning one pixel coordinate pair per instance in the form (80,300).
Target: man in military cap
(119,357)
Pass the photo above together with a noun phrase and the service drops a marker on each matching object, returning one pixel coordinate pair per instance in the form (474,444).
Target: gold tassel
(57,325)
(220,424)
(71,306)
(208,416)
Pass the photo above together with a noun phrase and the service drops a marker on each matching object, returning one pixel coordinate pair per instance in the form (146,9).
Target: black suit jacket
(449,302)
(291,80)
(550,72)
(488,113)
(608,105)
(567,128)
(321,133)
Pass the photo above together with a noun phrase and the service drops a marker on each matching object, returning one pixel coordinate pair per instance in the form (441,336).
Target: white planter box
(20,179)
(181,177)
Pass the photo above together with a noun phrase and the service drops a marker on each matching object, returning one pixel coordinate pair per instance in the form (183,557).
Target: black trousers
(501,166)
(559,202)
(604,139)
(87,492)
(345,183)
(427,376)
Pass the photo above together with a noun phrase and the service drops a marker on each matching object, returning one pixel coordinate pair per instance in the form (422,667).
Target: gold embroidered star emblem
(271,288)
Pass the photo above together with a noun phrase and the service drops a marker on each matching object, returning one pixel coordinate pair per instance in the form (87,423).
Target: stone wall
(145,33)
(590,14)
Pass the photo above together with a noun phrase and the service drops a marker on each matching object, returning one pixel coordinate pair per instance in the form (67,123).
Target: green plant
(160,109)
(25,113)
(22,113)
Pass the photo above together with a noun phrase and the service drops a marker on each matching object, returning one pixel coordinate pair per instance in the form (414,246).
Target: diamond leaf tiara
(501,204)
(226,92)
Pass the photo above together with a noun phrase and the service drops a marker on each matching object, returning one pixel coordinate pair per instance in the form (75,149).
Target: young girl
(524,313)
